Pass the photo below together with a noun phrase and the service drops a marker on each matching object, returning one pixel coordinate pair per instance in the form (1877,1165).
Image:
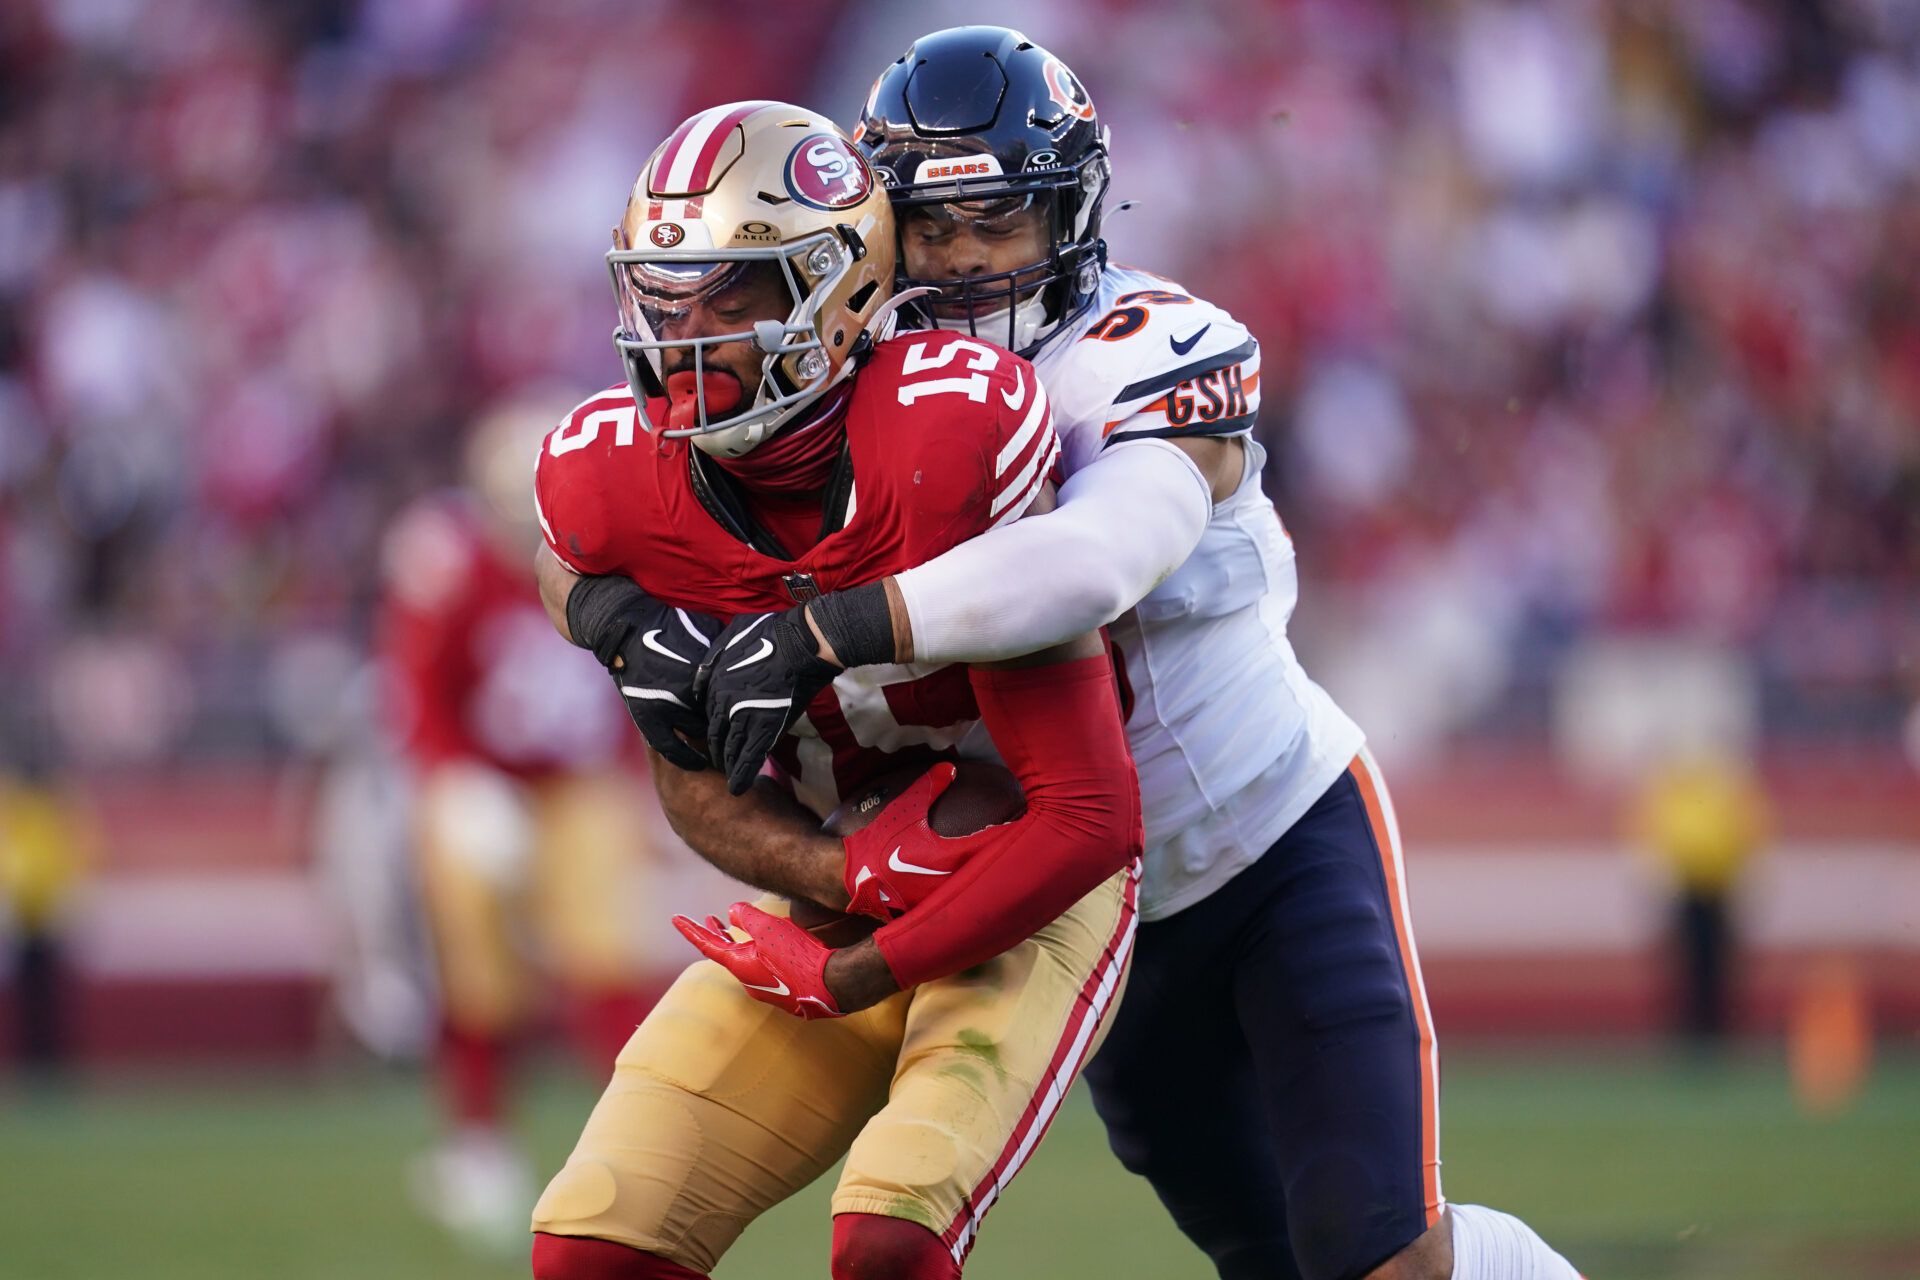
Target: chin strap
(886,316)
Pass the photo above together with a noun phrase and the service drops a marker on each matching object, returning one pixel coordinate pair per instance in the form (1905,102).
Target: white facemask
(1029,323)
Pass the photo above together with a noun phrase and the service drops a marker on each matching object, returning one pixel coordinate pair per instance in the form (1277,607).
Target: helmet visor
(678,309)
(676,303)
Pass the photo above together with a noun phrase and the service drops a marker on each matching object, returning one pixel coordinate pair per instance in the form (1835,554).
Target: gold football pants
(720,1106)
(517,872)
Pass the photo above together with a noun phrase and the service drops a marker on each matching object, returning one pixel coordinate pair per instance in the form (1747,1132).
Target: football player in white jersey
(1273,1069)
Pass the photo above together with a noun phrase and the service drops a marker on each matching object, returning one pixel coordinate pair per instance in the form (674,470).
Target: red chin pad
(683,397)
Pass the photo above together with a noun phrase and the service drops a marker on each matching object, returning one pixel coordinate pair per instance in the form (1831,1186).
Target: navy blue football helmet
(983,119)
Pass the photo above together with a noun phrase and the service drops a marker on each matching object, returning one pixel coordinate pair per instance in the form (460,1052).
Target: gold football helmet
(760,200)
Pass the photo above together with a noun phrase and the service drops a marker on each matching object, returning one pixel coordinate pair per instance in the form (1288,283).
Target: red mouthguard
(683,397)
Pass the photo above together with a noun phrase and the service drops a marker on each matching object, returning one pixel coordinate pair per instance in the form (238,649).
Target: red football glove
(896,860)
(779,964)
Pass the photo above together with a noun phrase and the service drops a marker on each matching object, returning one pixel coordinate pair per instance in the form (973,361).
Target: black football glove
(658,649)
(755,681)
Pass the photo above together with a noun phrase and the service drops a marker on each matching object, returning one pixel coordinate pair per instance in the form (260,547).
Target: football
(982,795)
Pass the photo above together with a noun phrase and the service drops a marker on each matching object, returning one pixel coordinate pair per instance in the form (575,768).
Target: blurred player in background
(526,815)
(1273,1070)
(1701,820)
(45,845)
(775,441)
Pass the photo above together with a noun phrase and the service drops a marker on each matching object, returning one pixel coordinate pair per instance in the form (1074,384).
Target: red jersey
(477,671)
(946,437)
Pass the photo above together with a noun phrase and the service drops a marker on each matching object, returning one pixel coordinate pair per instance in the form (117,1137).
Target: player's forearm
(858,976)
(1058,728)
(1124,523)
(556,584)
(764,838)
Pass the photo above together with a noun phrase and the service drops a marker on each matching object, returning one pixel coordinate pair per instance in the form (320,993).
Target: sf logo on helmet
(824,173)
(667,234)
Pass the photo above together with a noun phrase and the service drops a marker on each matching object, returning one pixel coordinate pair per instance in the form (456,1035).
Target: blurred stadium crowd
(1581,318)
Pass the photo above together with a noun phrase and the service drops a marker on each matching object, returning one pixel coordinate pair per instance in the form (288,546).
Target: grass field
(1638,1170)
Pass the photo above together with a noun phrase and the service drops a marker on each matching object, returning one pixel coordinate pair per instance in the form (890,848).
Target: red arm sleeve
(1059,729)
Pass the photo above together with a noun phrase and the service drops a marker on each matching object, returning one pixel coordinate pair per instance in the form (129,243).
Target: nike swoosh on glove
(756,680)
(659,649)
(896,860)
(779,963)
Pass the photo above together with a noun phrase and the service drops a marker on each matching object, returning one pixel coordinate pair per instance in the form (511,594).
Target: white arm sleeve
(1125,521)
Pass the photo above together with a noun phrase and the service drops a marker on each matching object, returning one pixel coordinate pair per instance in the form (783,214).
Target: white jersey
(1233,741)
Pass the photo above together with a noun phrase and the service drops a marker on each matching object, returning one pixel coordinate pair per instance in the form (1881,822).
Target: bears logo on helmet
(1067,90)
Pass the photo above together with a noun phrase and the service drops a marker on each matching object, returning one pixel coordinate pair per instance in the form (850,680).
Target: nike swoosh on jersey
(778,988)
(893,860)
(1019,397)
(766,647)
(1181,347)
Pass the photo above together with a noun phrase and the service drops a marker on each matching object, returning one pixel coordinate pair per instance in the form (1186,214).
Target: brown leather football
(982,795)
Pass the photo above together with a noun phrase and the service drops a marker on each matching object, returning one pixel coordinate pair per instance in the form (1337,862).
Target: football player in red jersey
(1274,1072)
(775,442)
(526,830)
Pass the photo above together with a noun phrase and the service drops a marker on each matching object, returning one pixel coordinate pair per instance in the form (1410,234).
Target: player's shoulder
(937,388)
(938,370)
(1143,335)
(593,427)
(579,477)
(1153,359)
(965,421)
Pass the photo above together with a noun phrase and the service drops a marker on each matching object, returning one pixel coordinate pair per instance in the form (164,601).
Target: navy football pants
(1271,1070)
